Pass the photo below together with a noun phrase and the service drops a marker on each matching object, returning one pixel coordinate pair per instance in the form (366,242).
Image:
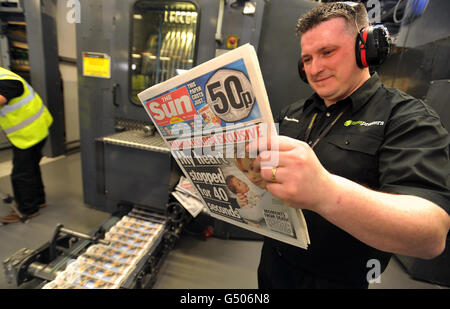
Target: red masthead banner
(172,108)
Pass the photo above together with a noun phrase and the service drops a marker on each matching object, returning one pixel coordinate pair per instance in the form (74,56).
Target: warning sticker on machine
(96,65)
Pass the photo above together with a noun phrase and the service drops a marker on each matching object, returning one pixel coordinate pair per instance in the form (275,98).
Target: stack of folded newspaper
(106,267)
(188,197)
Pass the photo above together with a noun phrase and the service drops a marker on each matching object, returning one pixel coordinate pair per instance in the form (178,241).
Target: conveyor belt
(139,140)
(130,244)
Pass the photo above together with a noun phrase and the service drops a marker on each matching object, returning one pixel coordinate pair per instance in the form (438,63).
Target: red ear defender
(301,72)
(362,48)
(373,46)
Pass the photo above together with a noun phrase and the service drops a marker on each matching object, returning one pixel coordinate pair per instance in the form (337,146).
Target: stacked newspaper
(106,267)
(208,116)
(188,197)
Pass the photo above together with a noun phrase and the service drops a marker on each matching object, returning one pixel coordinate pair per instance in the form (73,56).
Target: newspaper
(186,187)
(208,117)
(107,266)
(188,197)
(87,276)
(193,205)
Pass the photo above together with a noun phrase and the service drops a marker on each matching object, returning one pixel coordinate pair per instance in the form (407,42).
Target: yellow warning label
(96,65)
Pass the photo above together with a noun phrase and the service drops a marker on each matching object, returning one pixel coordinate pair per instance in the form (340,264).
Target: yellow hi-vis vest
(24,119)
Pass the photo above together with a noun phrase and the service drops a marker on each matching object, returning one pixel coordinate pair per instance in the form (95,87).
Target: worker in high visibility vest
(26,122)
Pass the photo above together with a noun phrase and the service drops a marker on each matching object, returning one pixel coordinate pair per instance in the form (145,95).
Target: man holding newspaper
(368,165)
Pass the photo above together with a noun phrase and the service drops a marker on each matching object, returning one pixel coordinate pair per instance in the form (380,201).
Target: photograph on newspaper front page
(208,116)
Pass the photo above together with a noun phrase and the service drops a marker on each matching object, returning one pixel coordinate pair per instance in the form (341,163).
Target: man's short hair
(354,13)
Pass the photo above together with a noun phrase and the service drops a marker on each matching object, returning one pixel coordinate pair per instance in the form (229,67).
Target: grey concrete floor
(192,264)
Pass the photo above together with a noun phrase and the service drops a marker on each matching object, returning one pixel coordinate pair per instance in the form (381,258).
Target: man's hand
(301,181)
(3,100)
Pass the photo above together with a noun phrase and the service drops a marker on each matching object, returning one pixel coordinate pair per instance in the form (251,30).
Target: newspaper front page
(208,116)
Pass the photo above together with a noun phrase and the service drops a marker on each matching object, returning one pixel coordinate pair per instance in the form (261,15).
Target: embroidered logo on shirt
(363,123)
(291,119)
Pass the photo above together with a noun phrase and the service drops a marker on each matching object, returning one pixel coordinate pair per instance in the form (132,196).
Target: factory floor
(194,263)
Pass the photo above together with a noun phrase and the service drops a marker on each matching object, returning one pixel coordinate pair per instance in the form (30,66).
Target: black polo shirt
(385,140)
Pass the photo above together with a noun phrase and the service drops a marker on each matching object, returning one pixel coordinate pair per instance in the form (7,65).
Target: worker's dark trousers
(26,178)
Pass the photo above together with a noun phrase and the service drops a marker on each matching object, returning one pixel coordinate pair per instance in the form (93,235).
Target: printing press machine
(51,259)
(66,246)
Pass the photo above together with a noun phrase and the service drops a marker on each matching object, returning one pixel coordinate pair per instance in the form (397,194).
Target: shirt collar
(358,98)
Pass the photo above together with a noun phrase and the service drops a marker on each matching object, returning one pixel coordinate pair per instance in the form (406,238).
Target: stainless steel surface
(139,140)
(83,236)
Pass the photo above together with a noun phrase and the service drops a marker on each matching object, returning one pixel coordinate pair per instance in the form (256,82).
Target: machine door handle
(114,93)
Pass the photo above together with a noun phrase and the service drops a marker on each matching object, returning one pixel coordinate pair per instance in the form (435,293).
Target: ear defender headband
(373,46)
